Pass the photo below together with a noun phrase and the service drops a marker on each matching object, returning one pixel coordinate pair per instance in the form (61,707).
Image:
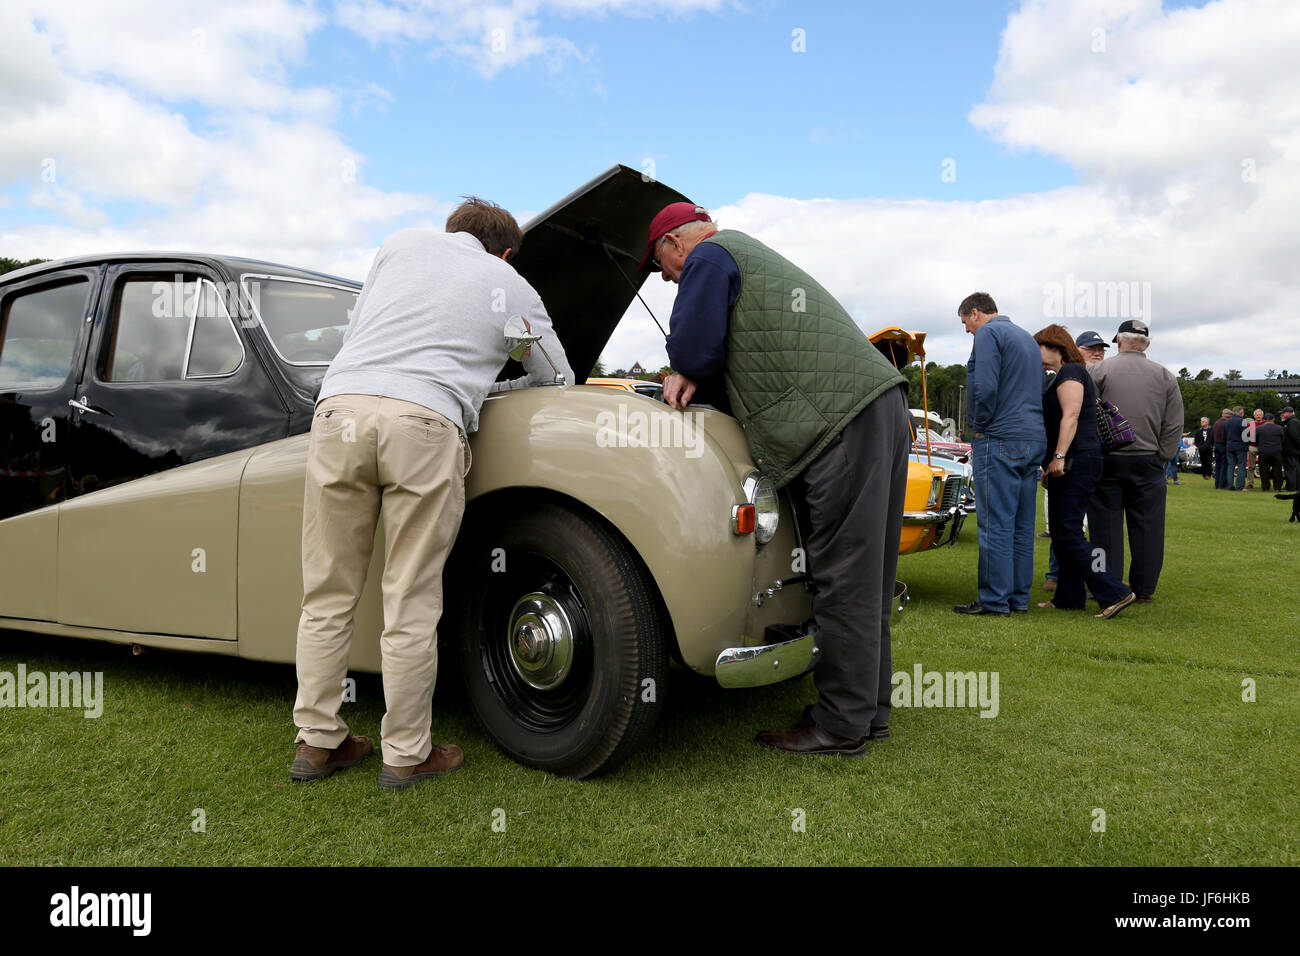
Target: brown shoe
(811,739)
(1118,606)
(317,763)
(1049,584)
(441,760)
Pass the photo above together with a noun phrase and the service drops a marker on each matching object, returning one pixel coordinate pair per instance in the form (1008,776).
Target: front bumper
(949,523)
(766,664)
(781,660)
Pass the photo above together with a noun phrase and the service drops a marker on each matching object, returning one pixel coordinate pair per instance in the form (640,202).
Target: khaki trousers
(369,457)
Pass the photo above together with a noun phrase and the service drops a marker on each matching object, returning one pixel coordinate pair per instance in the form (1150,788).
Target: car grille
(952,492)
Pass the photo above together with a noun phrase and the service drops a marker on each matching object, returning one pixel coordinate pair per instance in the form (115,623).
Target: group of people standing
(1233,446)
(1025,431)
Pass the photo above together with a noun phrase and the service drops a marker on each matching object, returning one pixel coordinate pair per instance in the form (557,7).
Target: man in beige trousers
(423,348)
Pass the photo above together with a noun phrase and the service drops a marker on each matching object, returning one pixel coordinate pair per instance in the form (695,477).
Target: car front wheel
(563,642)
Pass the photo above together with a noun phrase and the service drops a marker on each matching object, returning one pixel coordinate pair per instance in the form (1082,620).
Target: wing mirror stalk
(520,339)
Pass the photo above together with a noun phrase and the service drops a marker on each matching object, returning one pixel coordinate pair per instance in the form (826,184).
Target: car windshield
(306,321)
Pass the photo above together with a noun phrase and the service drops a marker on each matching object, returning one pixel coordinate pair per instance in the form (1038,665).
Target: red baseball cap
(669,218)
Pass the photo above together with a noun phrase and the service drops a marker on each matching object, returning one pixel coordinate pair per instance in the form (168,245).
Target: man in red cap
(826,416)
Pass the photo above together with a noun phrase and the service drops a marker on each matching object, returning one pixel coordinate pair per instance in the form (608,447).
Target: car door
(169,407)
(43,334)
(169,378)
(44,327)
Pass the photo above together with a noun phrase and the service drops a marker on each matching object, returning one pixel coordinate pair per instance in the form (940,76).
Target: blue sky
(720,102)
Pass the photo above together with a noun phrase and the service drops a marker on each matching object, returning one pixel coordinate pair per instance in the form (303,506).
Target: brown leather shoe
(441,760)
(811,739)
(317,763)
(1118,606)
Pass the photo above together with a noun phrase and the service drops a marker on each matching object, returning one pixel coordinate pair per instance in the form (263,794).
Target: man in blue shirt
(1004,385)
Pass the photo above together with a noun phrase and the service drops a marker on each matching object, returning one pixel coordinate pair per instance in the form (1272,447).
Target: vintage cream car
(151,489)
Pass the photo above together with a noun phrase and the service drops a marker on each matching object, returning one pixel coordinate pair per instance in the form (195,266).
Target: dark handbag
(1113,428)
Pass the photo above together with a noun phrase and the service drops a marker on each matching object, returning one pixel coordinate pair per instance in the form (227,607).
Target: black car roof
(235,265)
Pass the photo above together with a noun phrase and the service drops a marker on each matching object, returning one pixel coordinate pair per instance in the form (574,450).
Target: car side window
(215,348)
(38,334)
(169,330)
(306,321)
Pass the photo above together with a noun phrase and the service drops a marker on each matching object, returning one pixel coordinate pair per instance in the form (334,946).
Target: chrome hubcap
(541,641)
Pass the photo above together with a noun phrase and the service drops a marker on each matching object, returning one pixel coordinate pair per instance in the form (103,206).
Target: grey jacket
(1146,394)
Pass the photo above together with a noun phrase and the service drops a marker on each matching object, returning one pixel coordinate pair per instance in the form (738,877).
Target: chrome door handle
(81,406)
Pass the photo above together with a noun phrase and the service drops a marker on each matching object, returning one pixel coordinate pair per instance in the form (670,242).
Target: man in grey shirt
(424,346)
(1132,485)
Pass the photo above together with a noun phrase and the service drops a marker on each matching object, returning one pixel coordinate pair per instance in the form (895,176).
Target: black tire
(605,704)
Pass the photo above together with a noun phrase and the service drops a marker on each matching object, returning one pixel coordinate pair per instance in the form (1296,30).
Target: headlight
(936,492)
(767,507)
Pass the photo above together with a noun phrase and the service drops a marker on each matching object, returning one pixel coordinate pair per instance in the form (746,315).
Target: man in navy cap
(826,416)
(1093,347)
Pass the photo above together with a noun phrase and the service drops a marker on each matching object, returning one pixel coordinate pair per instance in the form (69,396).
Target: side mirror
(519,337)
(519,340)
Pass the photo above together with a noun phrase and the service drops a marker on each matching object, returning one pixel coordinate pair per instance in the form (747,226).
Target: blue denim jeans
(1236,469)
(1006,486)
(1221,466)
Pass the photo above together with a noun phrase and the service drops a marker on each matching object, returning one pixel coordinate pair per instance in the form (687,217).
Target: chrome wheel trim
(540,637)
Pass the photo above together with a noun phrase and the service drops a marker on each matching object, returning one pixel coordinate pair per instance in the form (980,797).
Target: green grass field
(1141,717)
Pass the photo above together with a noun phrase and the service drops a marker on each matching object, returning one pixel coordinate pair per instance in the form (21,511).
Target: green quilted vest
(798,367)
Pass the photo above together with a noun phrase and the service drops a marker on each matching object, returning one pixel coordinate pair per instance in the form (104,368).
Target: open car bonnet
(582,257)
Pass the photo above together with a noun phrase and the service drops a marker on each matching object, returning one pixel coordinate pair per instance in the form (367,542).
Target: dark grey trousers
(854,493)
(1131,491)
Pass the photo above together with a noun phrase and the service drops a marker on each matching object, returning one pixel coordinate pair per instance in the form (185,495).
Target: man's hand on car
(678,390)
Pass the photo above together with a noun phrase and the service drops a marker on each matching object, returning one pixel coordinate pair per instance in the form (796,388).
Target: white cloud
(1186,136)
(494,36)
(231,55)
(91,126)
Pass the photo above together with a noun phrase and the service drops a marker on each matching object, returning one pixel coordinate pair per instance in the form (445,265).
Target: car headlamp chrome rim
(761,493)
(936,492)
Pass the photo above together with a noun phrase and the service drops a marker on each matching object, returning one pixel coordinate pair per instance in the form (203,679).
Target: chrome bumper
(950,521)
(768,664)
(773,663)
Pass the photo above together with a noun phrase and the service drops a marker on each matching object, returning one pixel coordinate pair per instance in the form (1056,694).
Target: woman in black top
(1070,473)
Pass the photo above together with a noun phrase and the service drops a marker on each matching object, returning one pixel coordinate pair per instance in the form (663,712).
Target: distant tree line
(9,265)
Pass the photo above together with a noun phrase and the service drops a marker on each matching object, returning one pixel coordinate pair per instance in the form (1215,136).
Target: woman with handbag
(1070,472)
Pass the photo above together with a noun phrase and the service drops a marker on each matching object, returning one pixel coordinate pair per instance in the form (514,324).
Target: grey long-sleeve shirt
(428,327)
(1146,394)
